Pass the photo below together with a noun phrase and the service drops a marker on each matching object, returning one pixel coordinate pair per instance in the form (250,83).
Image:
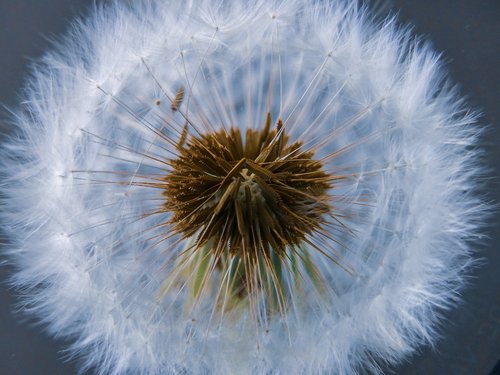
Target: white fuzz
(90,262)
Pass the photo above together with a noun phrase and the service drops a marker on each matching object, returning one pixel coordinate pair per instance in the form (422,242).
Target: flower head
(240,187)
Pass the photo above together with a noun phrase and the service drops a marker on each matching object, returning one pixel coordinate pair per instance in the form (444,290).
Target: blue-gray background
(468,34)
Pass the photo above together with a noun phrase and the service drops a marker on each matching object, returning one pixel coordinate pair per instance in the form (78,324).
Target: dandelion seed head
(241,187)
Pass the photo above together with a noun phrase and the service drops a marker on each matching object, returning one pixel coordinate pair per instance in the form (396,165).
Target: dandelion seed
(179,97)
(240,187)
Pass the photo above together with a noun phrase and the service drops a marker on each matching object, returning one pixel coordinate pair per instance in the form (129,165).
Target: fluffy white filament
(90,263)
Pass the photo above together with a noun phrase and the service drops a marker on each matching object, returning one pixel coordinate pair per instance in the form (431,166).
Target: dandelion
(253,187)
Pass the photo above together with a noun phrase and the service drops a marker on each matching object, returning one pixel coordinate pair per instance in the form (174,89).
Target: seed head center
(249,185)
(254,200)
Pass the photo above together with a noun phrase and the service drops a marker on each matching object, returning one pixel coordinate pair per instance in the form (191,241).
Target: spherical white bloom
(240,187)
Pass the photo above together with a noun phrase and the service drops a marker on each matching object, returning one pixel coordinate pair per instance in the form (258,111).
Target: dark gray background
(468,33)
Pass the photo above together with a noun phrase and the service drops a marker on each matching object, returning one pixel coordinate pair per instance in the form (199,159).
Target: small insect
(177,100)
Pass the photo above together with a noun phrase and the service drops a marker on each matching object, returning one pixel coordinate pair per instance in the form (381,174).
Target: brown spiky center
(248,205)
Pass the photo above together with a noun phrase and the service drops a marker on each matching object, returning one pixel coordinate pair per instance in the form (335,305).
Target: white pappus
(251,187)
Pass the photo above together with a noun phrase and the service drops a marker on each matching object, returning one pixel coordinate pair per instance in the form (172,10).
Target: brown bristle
(248,206)
(182,138)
